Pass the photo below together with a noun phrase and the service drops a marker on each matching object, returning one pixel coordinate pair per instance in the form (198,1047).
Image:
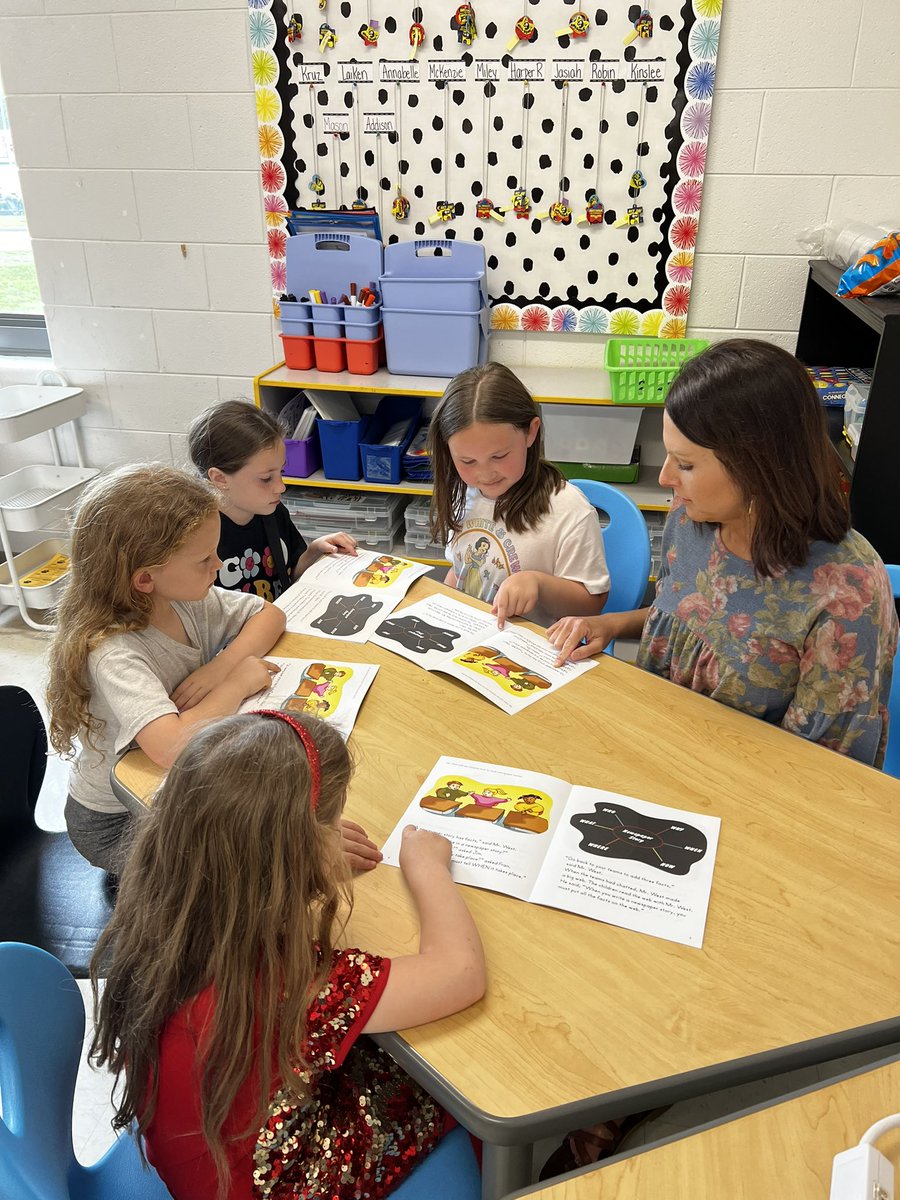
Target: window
(22,326)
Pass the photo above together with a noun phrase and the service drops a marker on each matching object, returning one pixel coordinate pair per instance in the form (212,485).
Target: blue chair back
(892,754)
(41,1037)
(450,1171)
(626,542)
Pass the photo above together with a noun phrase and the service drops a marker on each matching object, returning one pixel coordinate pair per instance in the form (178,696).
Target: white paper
(512,668)
(334,406)
(609,857)
(331,691)
(345,596)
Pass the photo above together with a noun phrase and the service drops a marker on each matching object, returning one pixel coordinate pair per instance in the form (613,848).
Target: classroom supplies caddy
(36,497)
(436,315)
(335,325)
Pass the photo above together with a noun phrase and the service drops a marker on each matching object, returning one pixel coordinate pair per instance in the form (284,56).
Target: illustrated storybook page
(344,596)
(613,858)
(331,691)
(512,667)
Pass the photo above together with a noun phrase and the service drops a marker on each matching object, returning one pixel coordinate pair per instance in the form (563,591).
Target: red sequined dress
(363,1129)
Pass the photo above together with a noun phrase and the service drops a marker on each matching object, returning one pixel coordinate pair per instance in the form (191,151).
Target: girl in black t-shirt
(239,448)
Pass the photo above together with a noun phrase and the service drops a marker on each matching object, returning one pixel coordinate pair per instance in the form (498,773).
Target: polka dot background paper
(464,140)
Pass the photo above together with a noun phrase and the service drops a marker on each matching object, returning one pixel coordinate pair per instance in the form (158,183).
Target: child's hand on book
(421,851)
(516,596)
(334,543)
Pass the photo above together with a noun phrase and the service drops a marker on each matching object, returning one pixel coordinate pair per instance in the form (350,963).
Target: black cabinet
(862,333)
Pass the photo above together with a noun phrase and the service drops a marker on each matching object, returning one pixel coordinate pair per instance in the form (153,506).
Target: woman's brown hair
(754,406)
(228,435)
(233,881)
(131,518)
(492,394)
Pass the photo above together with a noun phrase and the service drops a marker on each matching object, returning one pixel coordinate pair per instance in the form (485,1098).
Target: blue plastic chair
(626,542)
(41,1036)
(450,1171)
(892,754)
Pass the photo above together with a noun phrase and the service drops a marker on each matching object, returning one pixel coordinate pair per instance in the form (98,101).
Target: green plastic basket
(641,369)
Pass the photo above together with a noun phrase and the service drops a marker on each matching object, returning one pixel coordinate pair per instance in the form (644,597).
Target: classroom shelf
(548,385)
(318,480)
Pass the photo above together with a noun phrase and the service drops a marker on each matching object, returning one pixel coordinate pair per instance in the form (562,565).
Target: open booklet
(344,595)
(331,691)
(613,858)
(512,668)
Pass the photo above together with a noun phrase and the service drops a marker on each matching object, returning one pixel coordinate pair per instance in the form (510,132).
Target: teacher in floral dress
(766,600)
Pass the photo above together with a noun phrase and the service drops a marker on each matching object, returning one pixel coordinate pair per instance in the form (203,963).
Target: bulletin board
(570,141)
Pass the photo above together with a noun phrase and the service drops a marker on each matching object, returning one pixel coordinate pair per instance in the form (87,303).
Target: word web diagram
(614,831)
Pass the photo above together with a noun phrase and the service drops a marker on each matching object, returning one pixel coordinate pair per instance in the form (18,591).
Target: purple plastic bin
(301,458)
(328,320)
(296,320)
(361,324)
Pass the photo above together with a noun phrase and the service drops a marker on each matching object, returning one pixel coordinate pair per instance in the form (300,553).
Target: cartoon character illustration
(525,29)
(463,21)
(594,210)
(484,208)
(381,572)
(579,24)
(561,212)
(295,28)
(445,799)
(445,209)
(319,691)
(475,558)
(369,34)
(400,207)
(521,204)
(513,677)
(527,815)
(490,797)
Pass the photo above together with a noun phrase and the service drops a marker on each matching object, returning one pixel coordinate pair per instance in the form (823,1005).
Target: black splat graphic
(346,615)
(614,831)
(417,635)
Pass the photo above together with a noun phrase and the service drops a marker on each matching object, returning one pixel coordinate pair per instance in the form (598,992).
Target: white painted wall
(134,128)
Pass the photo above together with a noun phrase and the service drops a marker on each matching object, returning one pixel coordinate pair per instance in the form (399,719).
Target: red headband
(309,746)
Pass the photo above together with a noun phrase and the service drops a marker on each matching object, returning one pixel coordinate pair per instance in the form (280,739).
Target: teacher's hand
(577,638)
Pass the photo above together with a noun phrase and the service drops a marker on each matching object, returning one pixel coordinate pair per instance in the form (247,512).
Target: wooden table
(582,1020)
(783,1148)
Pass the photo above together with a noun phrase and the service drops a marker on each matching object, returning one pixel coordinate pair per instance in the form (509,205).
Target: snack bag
(877,273)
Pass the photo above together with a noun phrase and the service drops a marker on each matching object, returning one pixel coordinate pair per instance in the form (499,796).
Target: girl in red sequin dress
(233,1022)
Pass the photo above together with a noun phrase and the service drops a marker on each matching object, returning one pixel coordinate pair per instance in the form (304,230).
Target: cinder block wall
(134,128)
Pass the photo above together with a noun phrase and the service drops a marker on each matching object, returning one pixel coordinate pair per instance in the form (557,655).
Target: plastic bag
(877,273)
(841,242)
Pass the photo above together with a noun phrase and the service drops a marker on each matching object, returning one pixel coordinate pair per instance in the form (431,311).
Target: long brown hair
(233,880)
(229,434)
(493,394)
(754,406)
(131,518)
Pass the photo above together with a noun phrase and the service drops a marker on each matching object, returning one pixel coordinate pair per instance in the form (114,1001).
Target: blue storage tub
(429,342)
(340,441)
(381,464)
(435,274)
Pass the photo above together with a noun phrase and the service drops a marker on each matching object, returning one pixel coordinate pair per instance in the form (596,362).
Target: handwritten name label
(567,70)
(399,72)
(311,72)
(606,70)
(647,72)
(336,122)
(356,72)
(521,69)
(487,70)
(379,122)
(453,72)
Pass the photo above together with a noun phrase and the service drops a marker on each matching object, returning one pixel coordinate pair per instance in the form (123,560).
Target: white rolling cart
(36,497)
